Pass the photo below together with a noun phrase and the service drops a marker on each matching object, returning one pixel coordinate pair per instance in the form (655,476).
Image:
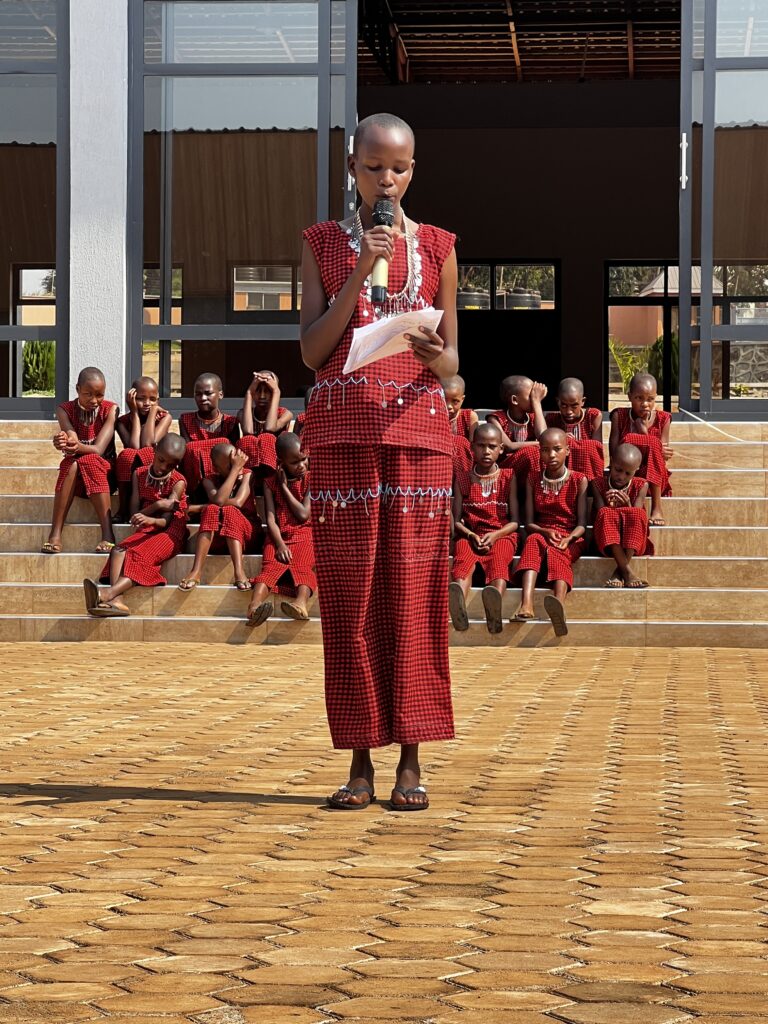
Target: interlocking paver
(596,849)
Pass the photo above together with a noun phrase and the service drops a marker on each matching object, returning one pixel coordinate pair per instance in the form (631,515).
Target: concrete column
(98,203)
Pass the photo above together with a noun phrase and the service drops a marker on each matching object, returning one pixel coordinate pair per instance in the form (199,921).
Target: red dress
(381,492)
(260,446)
(197,459)
(483,514)
(463,459)
(526,460)
(627,527)
(653,467)
(131,458)
(298,539)
(148,548)
(93,471)
(461,424)
(557,511)
(229,521)
(585,453)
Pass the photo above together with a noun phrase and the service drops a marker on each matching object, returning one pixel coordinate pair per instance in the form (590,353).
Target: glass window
(151,295)
(230,178)
(28,30)
(626,281)
(474,290)
(36,296)
(747,279)
(525,286)
(276,32)
(635,345)
(338,32)
(742,28)
(263,288)
(337,163)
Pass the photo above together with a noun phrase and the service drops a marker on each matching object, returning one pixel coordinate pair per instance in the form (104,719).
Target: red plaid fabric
(496,564)
(484,514)
(381,529)
(625,526)
(297,537)
(229,521)
(517,432)
(581,431)
(261,450)
(93,471)
(461,424)
(523,462)
(197,459)
(653,467)
(147,549)
(131,458)
(462,454)
(556,511)
(394,401)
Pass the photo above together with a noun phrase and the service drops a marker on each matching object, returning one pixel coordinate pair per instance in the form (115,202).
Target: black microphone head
(384,212)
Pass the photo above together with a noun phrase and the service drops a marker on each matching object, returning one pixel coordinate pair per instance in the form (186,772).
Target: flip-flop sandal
(293,611)
(457,607)
(50,549)
(104,547)
(188,584)
(522,617)
(105,610)
(637,585)
(91,591)
(613,583)
(657,522)
(492,605)
(342,805)
(242,584)
(556,612)
(406,793)
(260,614)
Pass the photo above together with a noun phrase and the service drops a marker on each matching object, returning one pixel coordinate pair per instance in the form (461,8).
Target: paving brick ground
(595,852)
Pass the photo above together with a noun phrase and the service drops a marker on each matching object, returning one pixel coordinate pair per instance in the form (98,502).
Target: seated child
(462,422)
(583,428)
(288,547)
(204,429)
(262,419)
(139,429)
(621,522)
(86,439)
(555,525)
(230,517)
(485,521)
(159,515)
(647,428)
(521,421)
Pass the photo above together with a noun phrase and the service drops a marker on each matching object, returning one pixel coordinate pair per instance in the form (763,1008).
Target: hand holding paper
(386,337)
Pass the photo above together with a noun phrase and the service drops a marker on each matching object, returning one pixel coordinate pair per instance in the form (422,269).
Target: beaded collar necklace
(87,416)
(487,481)
(396,302)
(554,484)
(209,425)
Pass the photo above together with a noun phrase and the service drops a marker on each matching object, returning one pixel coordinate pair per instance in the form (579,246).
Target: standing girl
(381,474)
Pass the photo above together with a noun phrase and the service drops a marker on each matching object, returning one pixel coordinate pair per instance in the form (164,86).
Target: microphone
(383,213)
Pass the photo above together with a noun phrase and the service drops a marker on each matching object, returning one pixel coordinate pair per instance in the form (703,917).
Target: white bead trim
(439,499)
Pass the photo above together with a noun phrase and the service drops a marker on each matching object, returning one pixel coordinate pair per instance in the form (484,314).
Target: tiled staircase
(709,579)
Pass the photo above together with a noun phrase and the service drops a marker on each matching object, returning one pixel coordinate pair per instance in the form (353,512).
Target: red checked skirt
(261,450)
(462,454)
(653,467)
(484,514)
(130,459)
(557,511)
(300,571)
(94,472)
(382,566)
(627,527)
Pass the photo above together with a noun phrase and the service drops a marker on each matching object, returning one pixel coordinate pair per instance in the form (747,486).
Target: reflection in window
(243,32)
(525,286)
(152,287)
(36,296)
(28,30)
(474,290)
(742,28)
(338,29)
(635,280)
(747,279)
(264,288)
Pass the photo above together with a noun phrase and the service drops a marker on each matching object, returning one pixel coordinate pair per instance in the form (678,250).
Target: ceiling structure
(517,40)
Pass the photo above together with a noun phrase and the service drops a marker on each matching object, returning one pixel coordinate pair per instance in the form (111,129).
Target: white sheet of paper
(386,337)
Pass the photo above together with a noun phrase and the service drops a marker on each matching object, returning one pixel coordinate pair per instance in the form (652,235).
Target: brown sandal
(293,611)
(260,614)
(242,584)
(50,548)
(187,584)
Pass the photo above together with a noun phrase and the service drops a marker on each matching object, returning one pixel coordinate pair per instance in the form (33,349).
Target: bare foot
(359,791)
(523,614)
(633,582)
(656,517)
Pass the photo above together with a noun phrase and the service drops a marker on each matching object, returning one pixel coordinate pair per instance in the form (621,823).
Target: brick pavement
(595,852)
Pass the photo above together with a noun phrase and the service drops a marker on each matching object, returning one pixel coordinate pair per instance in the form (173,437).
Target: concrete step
(591,603)
(677,571)
(632,634)
(725,455)
(713,433)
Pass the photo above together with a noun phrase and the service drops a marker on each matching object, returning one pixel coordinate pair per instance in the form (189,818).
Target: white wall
(98,205)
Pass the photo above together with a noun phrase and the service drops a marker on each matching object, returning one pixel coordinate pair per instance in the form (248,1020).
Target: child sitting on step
(288,549)
(230,519)
(86,440)
(583,428)
(621,522)
(555,524)
(159,516)
(262,419)
(204,429)
(521,422)
(461,421)
(485,519)
(139,429)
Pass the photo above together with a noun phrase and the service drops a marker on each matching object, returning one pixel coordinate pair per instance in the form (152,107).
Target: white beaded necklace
(487,481)
(157,482)
(396,302)
(554,485)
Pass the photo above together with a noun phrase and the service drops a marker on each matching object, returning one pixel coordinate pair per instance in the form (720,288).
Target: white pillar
(98,203)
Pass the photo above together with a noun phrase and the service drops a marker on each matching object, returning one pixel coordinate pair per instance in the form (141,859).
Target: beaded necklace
(407,297)
(487,481)
(553,485)
(209,425)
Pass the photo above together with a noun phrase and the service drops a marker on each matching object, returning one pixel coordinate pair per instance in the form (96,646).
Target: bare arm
(459,527)
(438,349)
(538,394)
(507,444)
(300,510)
(598,501)
(597,432)
(103,439)
(642,494)
(613,440)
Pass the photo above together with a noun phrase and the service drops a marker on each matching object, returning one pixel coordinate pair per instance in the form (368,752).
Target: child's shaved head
(173,446)
(454,385)
(515,385)
(488,430)
(210,378)
(222,453)
(389,122)
(553,435)
(628,456)
(642,382)
(287,444)
(90,375)
(571,386)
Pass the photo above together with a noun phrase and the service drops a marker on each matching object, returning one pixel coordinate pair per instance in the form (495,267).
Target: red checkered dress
(298,539)
(229,521)
(559,512)
(526,460)
(93,471)
(197,459)
(585,453)
(381,485)
(131,458)
(461,424)
(627,527)
(148,548)
(482,515)
(463,458)
(653,467)
(260,446)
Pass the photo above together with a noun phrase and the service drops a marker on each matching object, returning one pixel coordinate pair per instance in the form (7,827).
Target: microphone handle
(379,281)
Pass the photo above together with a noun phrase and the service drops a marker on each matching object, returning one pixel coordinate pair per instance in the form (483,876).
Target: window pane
(262,288)
(525,286)
(742,28)
(338,30)
(474,291)
(230,170)
(337,164)
(28,30)
(673,281)
(635,345)
(28,176)
(281,31)
(647,281)
(747,279)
